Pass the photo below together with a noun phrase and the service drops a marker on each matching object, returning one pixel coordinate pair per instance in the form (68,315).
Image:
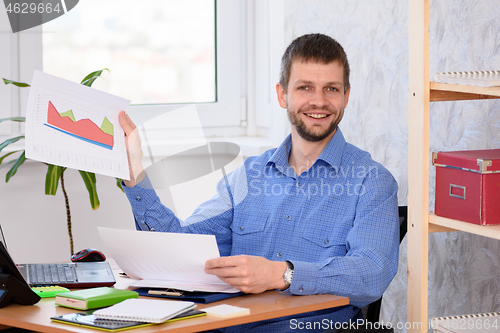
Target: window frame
(267,117)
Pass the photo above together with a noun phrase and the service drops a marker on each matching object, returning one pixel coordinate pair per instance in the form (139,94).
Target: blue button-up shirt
(337,223)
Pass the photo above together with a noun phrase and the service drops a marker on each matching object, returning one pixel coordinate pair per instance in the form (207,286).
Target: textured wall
(464,269)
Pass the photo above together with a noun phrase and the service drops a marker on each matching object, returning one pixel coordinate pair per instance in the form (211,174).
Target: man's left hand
(250,274)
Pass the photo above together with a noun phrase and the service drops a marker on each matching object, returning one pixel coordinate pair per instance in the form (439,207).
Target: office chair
(373,313)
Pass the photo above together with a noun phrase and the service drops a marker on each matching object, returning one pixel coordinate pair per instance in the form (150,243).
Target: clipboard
(193,296)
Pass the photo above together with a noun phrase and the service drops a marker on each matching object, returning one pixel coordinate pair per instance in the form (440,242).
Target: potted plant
(55,173)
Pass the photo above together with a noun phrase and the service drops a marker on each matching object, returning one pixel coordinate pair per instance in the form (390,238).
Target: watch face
(288,275)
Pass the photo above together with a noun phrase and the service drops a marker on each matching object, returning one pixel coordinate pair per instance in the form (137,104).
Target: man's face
(315,99)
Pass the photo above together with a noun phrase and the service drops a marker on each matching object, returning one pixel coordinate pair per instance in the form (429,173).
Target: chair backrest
(373,313)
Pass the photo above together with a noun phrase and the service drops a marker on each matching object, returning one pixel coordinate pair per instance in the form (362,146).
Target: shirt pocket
(250,235)
(250,225)
(325,242)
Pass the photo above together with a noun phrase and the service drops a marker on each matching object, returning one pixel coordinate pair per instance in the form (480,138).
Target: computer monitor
(13,287)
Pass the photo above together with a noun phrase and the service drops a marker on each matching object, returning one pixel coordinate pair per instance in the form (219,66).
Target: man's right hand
(134,153)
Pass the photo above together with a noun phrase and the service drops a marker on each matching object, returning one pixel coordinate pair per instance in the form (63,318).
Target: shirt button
(326,241)
(299,184)
(152,229)
(279,254)
(288,217)
(138,198)
(301,290)
(242,228)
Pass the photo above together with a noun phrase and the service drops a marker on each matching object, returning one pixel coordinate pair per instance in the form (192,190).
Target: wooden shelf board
(440,224)
(439,228)
(453,92)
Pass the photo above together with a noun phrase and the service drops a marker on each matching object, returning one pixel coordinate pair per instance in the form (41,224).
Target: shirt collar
(280,156)
(332,154)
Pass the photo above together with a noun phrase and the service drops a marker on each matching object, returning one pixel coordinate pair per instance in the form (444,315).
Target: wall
(464,269)
(34,224)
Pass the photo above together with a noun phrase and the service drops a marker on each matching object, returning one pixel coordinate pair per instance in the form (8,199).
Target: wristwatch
(288,274)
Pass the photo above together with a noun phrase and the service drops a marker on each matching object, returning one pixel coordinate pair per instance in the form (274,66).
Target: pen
(164,292)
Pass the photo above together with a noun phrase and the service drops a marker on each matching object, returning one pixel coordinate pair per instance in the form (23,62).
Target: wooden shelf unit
(437,222)
(420,221)
(441,92)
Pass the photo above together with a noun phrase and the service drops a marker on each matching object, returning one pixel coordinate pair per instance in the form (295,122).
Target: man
(316,215)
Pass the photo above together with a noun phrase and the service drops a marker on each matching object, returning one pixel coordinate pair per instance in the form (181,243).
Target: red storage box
(468,185)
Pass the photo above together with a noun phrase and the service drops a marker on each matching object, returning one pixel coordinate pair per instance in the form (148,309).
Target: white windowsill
(249,145)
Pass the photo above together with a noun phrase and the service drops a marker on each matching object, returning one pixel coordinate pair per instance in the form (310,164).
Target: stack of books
(122,309)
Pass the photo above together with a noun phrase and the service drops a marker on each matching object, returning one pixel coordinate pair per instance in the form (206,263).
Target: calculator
(49,291)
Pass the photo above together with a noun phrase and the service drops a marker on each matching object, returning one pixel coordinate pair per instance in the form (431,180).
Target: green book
(93,298)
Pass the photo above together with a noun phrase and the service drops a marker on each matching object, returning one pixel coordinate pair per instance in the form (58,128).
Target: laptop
(69,275)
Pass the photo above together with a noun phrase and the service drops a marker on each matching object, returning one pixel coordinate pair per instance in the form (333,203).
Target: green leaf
(19,119)
(14,168)
(119,184)
(19,84)
(54,173)
(89,79)
(8,154)
(90,182)
(10,141)
(6,163)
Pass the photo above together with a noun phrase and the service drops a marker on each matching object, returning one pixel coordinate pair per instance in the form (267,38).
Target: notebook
(473,78)
(144,310)
(473,323)
(87,319)
(69,275)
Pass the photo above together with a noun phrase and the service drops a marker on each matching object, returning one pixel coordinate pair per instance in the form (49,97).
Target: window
(220,112)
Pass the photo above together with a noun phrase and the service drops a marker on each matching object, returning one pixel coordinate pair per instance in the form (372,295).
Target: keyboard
(51,273)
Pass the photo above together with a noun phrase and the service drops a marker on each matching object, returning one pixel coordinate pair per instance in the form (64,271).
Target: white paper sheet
(165,260)
(59,141)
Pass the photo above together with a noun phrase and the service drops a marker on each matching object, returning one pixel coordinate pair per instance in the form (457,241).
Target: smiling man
(314,216)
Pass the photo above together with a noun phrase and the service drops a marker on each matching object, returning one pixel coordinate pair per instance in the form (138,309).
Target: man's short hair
(317,48)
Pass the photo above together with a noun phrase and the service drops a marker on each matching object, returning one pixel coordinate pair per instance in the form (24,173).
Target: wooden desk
(270,304)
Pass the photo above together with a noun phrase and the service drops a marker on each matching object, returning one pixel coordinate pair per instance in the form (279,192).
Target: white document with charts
(75,126)
(165,260)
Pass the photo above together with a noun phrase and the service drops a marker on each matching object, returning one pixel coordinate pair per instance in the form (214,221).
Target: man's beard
(308,134)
